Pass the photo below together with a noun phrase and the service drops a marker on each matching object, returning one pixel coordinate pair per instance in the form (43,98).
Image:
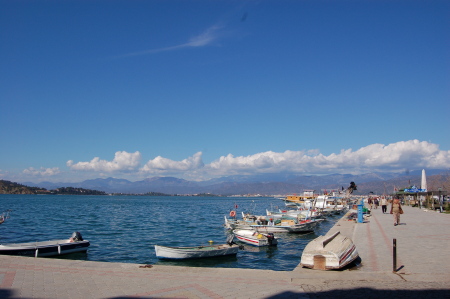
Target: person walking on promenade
(376,202)
(370,202)
(383,203)
(396,210)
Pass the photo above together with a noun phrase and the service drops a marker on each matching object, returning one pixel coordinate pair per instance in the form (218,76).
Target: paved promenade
(423,270)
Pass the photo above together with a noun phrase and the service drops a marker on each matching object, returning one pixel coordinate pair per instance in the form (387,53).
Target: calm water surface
(125,228)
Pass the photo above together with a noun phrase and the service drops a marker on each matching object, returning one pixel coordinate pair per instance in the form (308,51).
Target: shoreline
(420,274)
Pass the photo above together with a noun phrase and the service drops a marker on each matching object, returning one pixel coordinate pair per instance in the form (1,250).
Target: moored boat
(298,213)
(329,252)
(4,216)
(194,252)
(255,238)
(283,225)
(47,248)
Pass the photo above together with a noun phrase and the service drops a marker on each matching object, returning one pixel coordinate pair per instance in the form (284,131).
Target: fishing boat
(282,225)
(305,200)
(47,248)
(329,252)
(328,205)
(195,252)
(255,238)
(298,213)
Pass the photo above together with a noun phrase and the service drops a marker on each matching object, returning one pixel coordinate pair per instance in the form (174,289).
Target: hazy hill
(276,184)
(7,187)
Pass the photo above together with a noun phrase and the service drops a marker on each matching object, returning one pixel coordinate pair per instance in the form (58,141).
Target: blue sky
(201,89)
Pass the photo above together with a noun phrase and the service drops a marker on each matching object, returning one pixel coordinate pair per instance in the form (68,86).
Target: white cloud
(164,165)
(395,157)
(376,157)
(204,39)
(263,162)
(42,171)
(123,161)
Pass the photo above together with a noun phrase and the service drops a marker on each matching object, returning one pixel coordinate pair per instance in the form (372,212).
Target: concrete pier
(423,270)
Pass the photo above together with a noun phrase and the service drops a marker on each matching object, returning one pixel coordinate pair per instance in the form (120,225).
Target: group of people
(396,207)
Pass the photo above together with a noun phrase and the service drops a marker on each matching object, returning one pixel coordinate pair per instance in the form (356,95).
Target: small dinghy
(329,252)
(47,248)
(4,216)
(255,238)
(195,252)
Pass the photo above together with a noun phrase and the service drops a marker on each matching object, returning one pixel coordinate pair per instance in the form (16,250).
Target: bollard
(394,256)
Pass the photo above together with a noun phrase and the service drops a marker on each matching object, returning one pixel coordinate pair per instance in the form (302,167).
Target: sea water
(126,228)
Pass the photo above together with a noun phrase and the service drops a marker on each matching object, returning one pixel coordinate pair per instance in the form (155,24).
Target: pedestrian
(383,203)
(370,202)
(376,202)
(396,210)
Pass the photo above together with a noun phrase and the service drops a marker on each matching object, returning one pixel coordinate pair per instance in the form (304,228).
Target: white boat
(329,252)
(178,253)
(47,248)
(255,238)
(324,204)
(306,200)
(282,225)
(4,216)
(298,213)
(329,204)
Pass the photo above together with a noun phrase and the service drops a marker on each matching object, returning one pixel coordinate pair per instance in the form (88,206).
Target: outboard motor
(76,236)
(270,238)
(230,239)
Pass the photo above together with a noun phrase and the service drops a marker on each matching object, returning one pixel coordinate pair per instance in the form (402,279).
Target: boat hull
(181,253)
(301,227)
(329,252)
(254,238)
(44,249)
(305,227)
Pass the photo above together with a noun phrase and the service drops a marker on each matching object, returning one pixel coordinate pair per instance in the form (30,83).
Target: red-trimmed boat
(255,238)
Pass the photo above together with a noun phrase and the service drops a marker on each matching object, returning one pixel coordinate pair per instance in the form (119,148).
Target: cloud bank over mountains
(376,157)
(394,157)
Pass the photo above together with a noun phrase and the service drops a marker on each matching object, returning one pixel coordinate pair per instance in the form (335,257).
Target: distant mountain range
(268,184)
